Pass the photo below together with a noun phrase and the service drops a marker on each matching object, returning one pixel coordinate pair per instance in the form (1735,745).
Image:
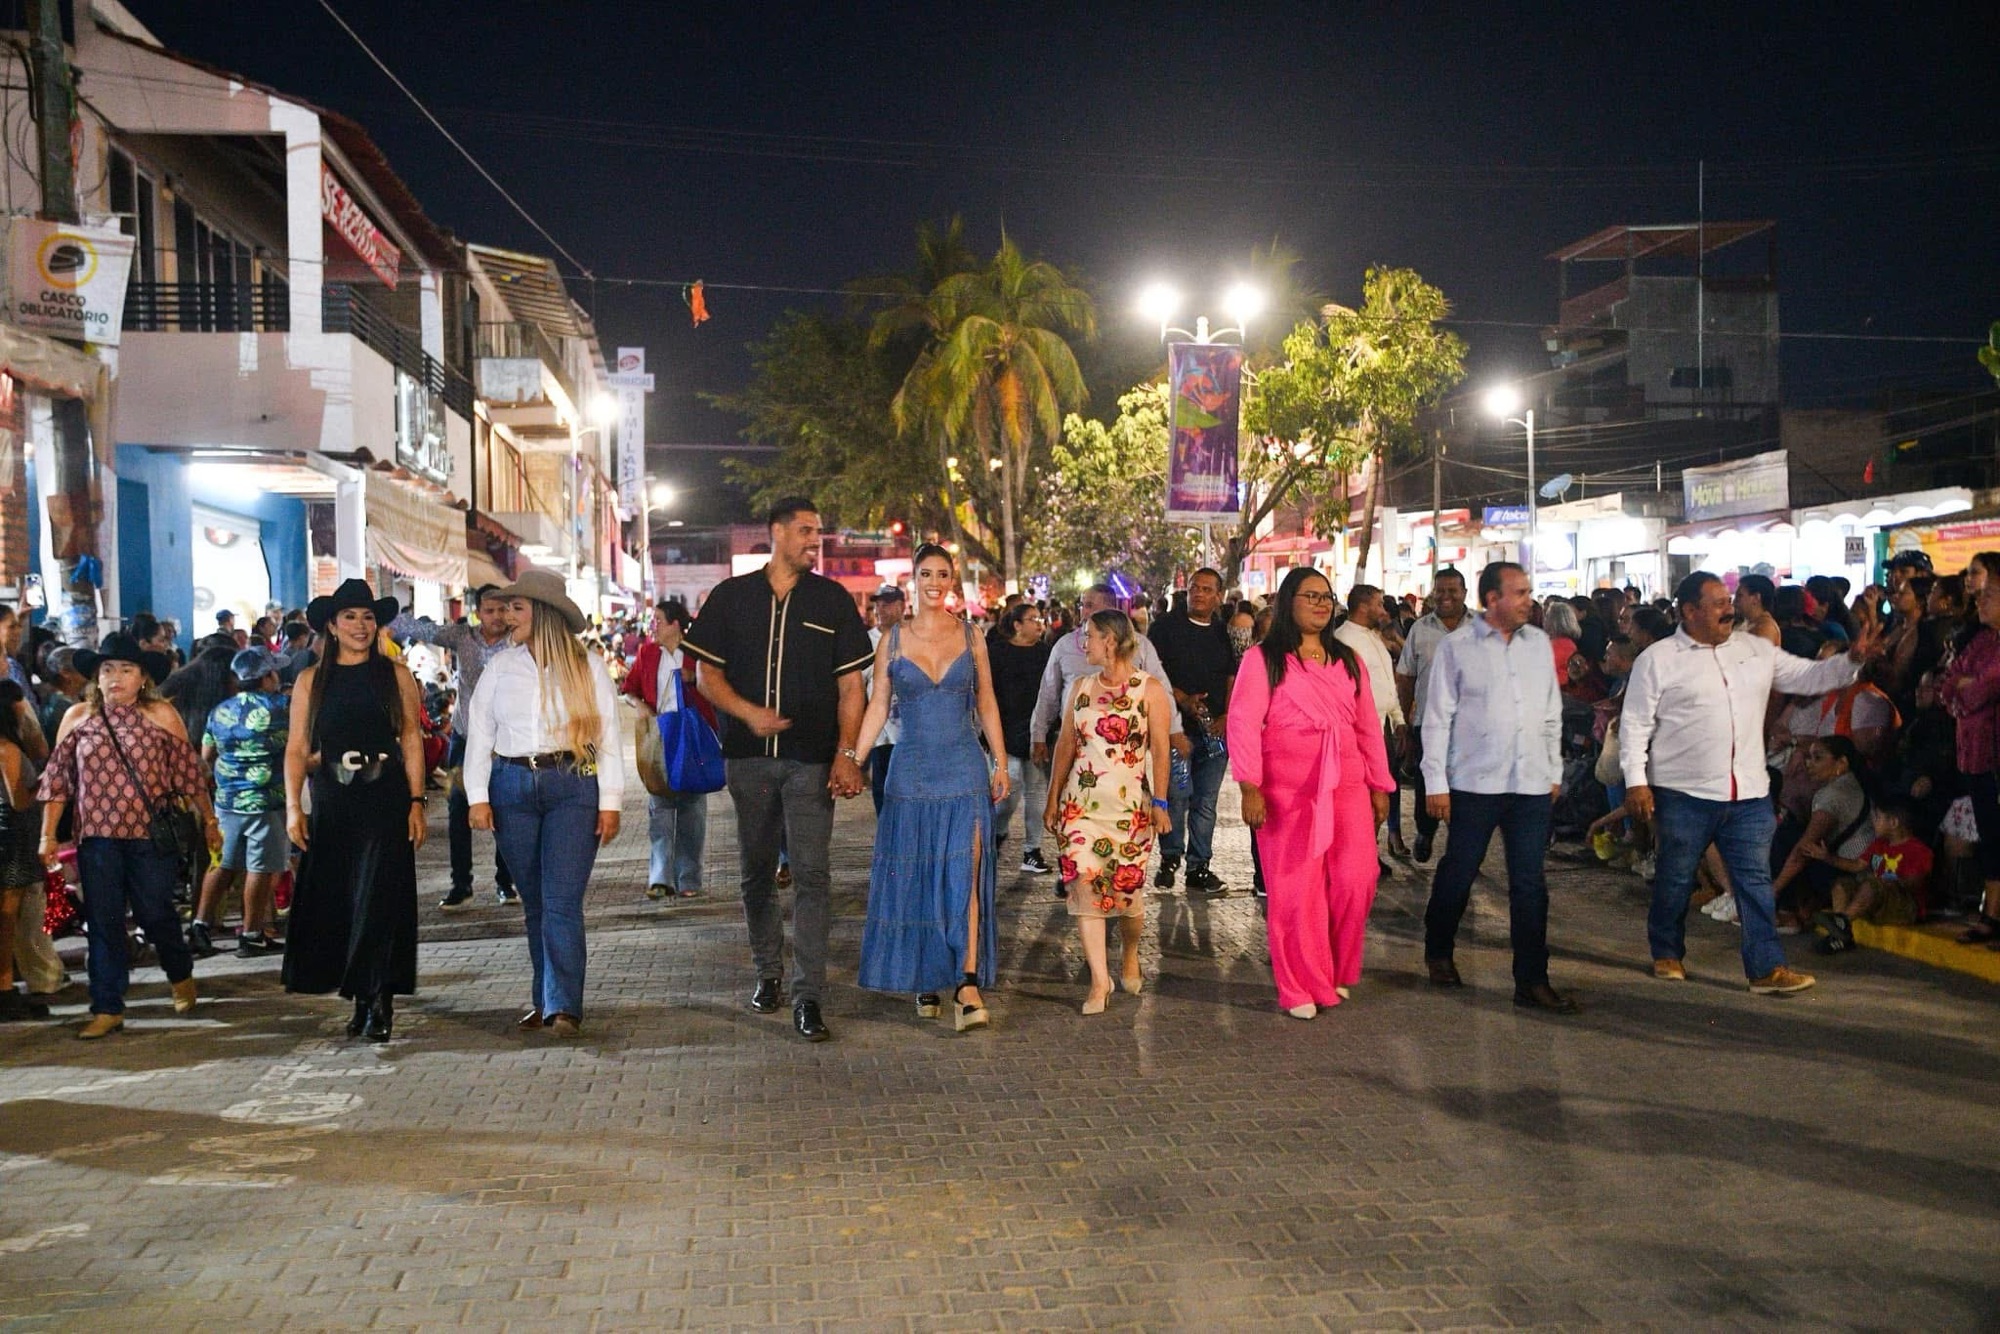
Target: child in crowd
(1888,883)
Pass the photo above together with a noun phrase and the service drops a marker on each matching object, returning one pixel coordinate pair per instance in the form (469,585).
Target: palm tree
(996,379)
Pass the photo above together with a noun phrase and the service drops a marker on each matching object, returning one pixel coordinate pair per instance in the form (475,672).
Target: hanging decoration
(697,303)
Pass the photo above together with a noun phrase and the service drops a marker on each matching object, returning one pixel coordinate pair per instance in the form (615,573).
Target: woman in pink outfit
(1308,755)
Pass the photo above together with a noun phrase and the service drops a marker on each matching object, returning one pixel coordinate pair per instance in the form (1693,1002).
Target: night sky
(797,146)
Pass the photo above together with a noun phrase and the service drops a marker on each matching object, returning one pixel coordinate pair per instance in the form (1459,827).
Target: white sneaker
(1722,908)
(1645,867)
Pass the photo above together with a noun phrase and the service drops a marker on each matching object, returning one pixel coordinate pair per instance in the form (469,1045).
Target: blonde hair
(566,667)
(1118,626)
(148,693)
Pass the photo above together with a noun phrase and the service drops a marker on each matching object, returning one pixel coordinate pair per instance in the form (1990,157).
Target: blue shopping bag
(690,751)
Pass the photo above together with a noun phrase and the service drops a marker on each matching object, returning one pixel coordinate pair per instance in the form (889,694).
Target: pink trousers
(1318,906)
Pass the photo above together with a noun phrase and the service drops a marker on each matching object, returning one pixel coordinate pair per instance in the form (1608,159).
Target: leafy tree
(1989,356)
(1348,390)
(1102,503)
(993,382)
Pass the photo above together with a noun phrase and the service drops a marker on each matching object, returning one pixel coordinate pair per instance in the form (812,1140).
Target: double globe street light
(1160,303)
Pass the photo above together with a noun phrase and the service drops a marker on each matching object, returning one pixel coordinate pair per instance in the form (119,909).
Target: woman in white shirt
(544,771)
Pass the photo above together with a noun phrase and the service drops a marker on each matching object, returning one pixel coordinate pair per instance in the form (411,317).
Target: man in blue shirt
(1493,760)
(244,744)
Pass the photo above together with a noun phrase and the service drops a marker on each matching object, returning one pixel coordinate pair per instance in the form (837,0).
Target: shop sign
(420,434)
(1748,486)
(353,225)
(632,384)
(1951,546)
(1855,551)
(1506,516)
(68,281)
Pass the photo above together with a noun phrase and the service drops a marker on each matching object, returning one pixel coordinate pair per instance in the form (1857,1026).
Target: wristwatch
(848,751)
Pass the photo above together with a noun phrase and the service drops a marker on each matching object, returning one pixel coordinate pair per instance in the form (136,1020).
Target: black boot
(381,1015)
(360,1019)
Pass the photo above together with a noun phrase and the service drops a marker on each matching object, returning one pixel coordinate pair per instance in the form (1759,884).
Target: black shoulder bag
(170,825)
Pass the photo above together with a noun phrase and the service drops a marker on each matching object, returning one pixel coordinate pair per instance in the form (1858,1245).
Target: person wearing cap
(244,746)
(471,647)
(356,735)
(120,755)
(886,605)
(545,772)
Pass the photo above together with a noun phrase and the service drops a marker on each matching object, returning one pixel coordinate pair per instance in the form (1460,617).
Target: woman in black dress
(355,735)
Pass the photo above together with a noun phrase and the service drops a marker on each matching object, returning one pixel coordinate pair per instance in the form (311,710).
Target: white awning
(1884,511)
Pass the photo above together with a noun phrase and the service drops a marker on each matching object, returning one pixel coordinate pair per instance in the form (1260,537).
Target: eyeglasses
(1316,599)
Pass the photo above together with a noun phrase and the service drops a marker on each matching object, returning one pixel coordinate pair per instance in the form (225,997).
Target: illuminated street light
(663,496)
(604,409)
(1243,303)
(1502,401)
(1159,303)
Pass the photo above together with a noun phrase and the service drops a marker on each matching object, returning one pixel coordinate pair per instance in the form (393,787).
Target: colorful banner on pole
(632,384)
(1206,383)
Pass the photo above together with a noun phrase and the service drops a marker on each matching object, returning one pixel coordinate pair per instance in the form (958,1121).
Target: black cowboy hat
(351,593)
(121,647)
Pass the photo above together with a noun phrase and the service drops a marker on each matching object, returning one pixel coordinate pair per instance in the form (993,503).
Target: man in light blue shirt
(1492,725)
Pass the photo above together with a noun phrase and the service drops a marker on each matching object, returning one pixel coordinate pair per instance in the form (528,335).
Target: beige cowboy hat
(546,587)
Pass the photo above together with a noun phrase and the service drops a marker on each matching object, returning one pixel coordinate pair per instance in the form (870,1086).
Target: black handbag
(170,826)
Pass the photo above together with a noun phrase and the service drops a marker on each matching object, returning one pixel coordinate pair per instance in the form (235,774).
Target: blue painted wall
(157,495)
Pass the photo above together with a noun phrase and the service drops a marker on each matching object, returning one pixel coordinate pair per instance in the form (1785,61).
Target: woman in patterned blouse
(119,756)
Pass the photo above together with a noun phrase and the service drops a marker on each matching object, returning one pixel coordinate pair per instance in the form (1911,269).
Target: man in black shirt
(1194,648)
(781,653)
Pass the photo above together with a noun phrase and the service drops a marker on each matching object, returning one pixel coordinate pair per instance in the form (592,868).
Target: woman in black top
(1018,654)
(356,735)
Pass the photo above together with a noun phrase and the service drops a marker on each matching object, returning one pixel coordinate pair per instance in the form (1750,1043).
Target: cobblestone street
(1677,1155)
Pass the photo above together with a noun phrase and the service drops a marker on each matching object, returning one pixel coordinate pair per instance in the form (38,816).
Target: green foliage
(992,384)
(1347,389)
(1102,503)
(1989,356)
(820,394)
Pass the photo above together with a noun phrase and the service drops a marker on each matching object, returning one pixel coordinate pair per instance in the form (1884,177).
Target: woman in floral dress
(1106,796)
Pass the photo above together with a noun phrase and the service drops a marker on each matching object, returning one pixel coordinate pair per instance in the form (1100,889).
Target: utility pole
(73,499)
(1437,494)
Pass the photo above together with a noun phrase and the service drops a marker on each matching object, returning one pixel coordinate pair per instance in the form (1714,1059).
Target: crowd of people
(1789,758)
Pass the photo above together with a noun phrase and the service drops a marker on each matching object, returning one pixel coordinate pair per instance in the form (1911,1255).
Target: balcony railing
(345,311)
(208,308)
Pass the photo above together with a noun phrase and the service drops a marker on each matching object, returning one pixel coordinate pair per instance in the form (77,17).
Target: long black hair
(1284,637)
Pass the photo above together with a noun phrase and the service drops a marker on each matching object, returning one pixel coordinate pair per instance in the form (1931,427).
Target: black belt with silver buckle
(550,759)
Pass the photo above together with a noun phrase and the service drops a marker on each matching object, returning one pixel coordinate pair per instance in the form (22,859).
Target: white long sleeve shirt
(1694,714)
(1492,715)
(1369,646)
(1068,663)
(507,718)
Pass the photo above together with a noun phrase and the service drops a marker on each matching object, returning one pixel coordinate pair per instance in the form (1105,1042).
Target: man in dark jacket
(1194,648)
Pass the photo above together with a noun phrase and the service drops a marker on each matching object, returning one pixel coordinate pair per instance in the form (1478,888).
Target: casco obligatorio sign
(67,280)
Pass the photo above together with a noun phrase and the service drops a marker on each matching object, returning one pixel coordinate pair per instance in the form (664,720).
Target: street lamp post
(1160,302)
(1503,401)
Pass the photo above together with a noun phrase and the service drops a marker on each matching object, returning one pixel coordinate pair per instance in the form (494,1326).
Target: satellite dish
(1556,485)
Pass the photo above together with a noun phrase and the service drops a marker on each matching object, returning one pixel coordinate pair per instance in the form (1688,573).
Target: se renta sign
(67,280)
(353,225)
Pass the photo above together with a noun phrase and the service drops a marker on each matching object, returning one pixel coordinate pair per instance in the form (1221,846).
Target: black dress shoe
(1443,973)
(360,1019)
(806,1020)
(1422,850)
(381,1018)
(1542,996)
(768,996)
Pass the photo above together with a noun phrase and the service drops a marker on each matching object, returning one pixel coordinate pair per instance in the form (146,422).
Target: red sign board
(337,205)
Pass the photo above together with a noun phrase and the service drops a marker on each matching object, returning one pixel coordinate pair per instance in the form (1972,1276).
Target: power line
(451,139)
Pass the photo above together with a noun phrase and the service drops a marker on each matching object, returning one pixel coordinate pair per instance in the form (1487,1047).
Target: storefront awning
(1698,538)
(1886,511)
(413,531)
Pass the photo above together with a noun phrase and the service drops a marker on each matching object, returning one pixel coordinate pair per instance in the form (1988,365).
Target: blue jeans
(118,873)
(1027,788)
(1741,831)
(1523,822)
(458,827)
(1193,806)
(678,829)
(545,821)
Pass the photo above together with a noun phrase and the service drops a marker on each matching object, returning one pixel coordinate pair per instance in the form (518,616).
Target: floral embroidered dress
(1107,807)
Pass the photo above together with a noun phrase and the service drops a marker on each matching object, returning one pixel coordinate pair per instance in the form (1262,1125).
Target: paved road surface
(1676,1155)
